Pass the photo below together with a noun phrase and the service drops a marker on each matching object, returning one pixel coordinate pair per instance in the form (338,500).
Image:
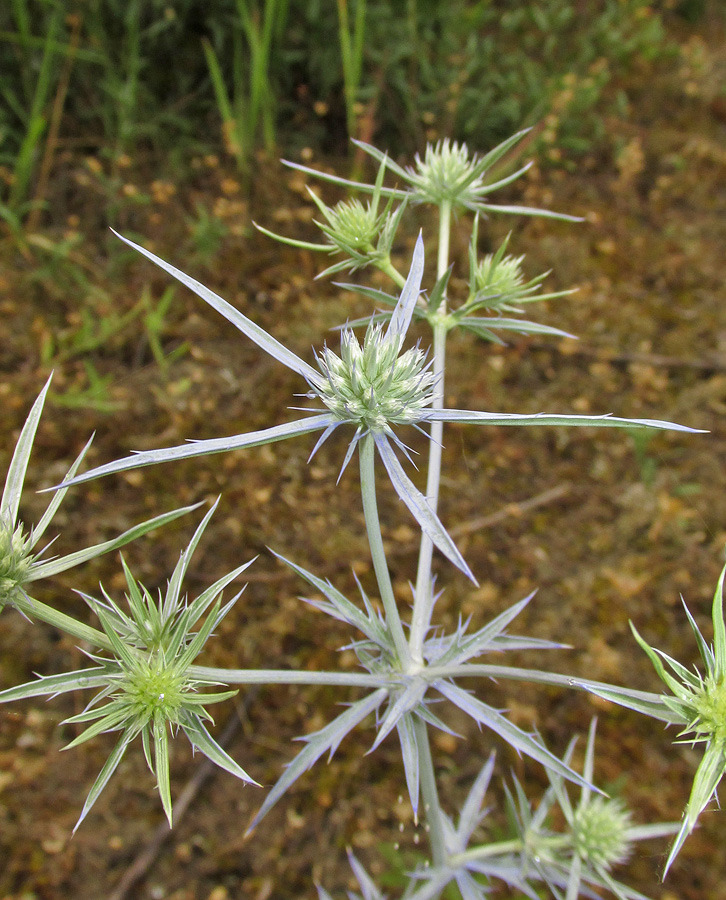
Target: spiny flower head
(353,224)
(145,675)
(16,561)
(373,386)
(709,705)
(601,832)
(448,172)
(499,276)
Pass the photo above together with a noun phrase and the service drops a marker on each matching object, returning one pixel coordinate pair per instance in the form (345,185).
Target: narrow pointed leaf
(719,629)
(652,705)
(410,758)
(318,743)
(213,445)
(463,416)
(384,159)
(161,764)
(471,811)
(406,701)
(55,566)
(374,294)
(251,330)
(104,775)
(346,611)
(344,182)
(521,741)
(174,586)
(199,737)
(57,498)
(57,684)
(303,245)
(419,506)
(19,463)
(401,318)
(483,326)
(525,211)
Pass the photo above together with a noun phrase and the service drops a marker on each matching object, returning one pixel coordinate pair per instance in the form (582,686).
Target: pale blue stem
(366,453)
(288,676)
(429,791)
(424,599)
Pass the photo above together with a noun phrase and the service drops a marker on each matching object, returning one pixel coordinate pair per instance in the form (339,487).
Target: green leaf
(200,738)
(57,684)
(55,566)
(19,463)
(104,775)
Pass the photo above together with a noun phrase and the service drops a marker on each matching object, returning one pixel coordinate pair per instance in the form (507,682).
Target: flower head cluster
(357,230)
(448,172)
(499,277)
(601,832)
(374,385)
(449,175)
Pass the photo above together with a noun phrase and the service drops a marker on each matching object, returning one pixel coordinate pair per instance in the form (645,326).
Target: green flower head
(146,679)
(601,832)
(448,172)
(16,562)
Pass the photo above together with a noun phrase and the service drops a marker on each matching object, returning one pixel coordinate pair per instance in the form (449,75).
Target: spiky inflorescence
(502,277)
(352,223)
(600,831)
(372,386)
(710,708)
(15,562)
(443,173)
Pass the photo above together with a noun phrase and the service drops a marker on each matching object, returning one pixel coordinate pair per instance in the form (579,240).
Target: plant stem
(424,598)
(430,793)
(485,850)
(366,453)
(288,676)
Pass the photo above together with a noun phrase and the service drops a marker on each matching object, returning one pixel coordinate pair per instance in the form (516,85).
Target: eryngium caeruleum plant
(145,667)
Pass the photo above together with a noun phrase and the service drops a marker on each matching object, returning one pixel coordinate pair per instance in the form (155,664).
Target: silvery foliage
(144,663)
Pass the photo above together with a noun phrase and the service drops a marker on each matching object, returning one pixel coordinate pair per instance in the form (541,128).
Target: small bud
(600,831)
(15,562)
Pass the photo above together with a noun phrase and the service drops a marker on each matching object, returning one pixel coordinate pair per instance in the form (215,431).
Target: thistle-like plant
(20,563)
(148,685)
(409,667)
(361,388)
